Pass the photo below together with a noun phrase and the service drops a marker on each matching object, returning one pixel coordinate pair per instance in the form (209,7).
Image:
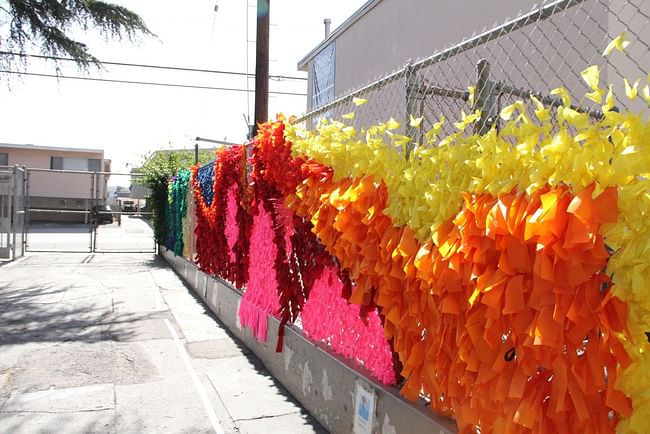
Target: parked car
(102,214)
(128,206)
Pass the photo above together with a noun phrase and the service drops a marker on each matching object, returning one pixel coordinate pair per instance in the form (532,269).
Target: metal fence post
(414,100)
(12,210)
(485,98)
(88,217)
(28,201)
(24,211)
(93,211)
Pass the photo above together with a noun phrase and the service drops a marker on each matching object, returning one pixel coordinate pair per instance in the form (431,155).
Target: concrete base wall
(324,383)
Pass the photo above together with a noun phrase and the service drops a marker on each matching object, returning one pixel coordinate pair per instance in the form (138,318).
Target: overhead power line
(142,65)
(147,83)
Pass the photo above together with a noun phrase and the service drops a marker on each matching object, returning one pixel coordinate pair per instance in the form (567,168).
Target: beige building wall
(394,31)
(55,184)
(63,185)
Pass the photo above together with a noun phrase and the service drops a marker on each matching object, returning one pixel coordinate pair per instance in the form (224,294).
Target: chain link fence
(80,211)
(532,54)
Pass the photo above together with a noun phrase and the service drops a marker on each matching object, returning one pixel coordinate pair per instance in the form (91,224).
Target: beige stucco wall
(395,31)
(40,158)
(56,184)
(67,185)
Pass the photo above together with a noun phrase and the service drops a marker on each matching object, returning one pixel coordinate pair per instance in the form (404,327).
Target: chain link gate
(12,212)
(78,211)
(122,222)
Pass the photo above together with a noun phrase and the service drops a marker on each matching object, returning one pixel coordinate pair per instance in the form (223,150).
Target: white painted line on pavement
(214,420)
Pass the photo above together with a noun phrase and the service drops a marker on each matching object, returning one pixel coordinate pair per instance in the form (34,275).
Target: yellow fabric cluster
(525,154)
(630,270)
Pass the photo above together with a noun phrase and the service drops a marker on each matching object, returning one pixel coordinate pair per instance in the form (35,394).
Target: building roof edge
(356,16)
(48,148)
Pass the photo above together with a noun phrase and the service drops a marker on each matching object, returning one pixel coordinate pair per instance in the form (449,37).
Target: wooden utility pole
(262,64)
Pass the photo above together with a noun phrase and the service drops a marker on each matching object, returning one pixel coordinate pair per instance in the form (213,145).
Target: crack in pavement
(267,417)
(223,406)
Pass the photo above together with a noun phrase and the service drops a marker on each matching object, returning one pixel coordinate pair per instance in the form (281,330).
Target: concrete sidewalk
(116,343)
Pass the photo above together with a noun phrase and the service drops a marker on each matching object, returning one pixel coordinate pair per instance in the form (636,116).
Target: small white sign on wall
(364,408)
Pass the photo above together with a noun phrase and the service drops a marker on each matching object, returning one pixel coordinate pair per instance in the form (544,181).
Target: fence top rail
(374,85)
(84,172)
(541,13)
(12,168)
(60,211)
(86,211)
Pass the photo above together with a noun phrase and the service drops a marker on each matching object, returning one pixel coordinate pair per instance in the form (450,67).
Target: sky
(129,121)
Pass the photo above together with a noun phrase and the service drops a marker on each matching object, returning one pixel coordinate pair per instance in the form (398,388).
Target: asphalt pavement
(115,343)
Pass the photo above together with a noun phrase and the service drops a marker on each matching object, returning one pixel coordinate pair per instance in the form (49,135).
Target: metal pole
(262,63)
(218,142)
(99,179)
(24,205)
(91,201)
(27,204)
(196,152)
(485,97)
(12,211)
(413,103)
(546,99)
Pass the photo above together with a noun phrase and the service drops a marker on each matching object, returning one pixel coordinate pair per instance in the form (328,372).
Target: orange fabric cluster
(505,319)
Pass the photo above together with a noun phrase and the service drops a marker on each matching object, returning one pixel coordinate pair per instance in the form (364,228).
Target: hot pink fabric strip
(261,297)
(327,317)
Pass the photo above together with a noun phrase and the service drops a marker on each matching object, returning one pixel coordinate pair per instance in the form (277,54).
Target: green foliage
(157,170)
(47,24)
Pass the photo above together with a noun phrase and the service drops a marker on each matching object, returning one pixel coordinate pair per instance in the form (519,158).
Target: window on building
(56,163)
(4,159)
(94,165)
(75,164)
(78,164)
(323,77)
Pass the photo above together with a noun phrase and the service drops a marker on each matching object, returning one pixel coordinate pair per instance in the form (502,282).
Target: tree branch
(48,23)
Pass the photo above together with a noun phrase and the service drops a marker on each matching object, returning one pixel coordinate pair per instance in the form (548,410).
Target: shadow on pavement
(39,314)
